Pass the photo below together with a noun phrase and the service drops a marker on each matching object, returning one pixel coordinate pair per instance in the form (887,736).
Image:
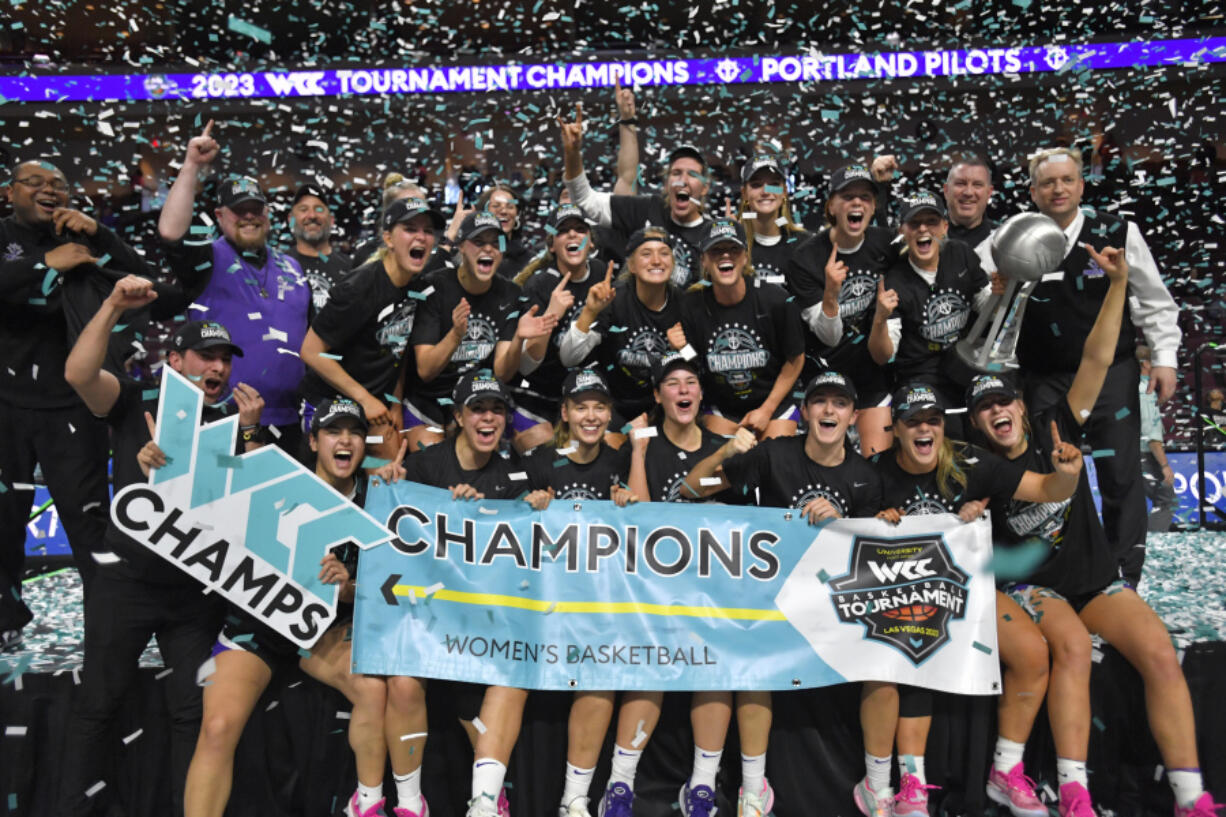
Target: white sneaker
(575,808)
(482,806)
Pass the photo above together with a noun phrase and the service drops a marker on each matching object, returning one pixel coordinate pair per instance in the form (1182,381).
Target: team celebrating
(646,348)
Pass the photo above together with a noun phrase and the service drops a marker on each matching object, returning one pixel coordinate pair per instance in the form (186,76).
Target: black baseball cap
(684,152)
(579,381)
(645,234)
(402,210)
(912,206)
(914,398)
(670,362)
(723,231)
(337,409)
(761,161)
(480,384)
(476,223)
(238,190)
(198,335)
(564,213)
(989,385)
(830,379)
(310,190)
(849,175)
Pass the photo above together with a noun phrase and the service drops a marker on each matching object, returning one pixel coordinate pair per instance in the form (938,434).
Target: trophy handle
(996,316)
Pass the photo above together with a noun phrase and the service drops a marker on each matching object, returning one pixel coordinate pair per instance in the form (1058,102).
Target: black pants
(120,616)
(1117,433)
(72,447)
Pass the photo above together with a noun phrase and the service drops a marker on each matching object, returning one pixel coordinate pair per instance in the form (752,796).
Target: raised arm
(880,343)
(708,477)
(596,206)
(1060,484)
(176,214)
(1099,351)
(98,388)
(627,141)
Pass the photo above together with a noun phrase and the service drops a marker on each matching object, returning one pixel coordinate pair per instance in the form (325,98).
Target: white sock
(912,764)
(578,781)
(706,766)
(408,790)
(1008,754)
(625,763)
(488,775)
(1071,771)
(1187,785)
(753,772)
(877,772)
(369,795)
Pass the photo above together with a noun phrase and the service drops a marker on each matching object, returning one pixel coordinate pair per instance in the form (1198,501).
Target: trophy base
(964,364)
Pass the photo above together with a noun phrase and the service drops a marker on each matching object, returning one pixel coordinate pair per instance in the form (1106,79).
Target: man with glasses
(238,280)
(51,258)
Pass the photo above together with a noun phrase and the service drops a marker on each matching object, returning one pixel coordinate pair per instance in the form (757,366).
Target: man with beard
(259,294)
(50,259)
(310,222)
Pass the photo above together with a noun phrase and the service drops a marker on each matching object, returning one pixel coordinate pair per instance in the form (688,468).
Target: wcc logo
(904,591)
(252,528)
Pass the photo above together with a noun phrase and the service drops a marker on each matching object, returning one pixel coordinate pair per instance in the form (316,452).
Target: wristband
(253,434)
(634,120)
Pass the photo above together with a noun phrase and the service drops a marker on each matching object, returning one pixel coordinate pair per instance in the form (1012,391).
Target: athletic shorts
(421,410)
(1030,596)
(522,419)
(241,632)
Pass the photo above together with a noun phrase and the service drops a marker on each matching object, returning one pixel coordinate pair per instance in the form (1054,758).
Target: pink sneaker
(504,805)
(404,812)
(912,798)
(353,810)
(1203,807)
(1075,801)
(1016,791)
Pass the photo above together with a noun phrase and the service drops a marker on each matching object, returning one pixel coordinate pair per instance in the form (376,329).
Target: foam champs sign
(252,528)
(656,596)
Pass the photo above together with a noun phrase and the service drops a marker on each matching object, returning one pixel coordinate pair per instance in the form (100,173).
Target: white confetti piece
(434,588)
(163,673)
(639,735)
(343,716)
(707,482)
(206,671)
(517,476)
(570,449)
(254,316)
(275,334)
(688,352)
(643,433)
(133,736)
(479,726)
(15,731)
(94,789)
(105,558)
(411,736)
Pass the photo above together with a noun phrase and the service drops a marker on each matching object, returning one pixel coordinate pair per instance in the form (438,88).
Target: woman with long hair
(501,201)
(928,473)
(1076,590)
(588,469)
(770,244)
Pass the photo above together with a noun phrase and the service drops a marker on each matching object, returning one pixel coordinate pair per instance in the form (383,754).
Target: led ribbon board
(810,68)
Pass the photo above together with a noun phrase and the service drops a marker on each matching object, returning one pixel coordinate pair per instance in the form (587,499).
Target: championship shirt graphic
(479,340)
(858,293)
(734,353)
(394,330)
(683,263)
(905,592)
(642,348)
(811,492)
(945,315)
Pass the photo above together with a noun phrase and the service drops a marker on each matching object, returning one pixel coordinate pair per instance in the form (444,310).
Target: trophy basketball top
(1028,246)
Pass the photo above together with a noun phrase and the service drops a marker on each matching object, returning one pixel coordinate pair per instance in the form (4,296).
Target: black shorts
(242,632)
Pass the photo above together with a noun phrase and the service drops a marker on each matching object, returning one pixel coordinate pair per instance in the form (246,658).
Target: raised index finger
(562,284)
(578,113)
(152,426)
(608,276)
(1055,436)
(208,128)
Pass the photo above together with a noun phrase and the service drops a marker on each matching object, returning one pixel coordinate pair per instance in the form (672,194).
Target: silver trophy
(1025,248)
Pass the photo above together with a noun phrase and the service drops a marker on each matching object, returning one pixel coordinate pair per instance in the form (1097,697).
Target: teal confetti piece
(1103,452)
(1099,725)
(49,282)
(102,262)
(391,398)
(1122,413)
(983,648)
(560,463)
(1055,330)
(253,31)
(376,462)
(774,189)
(823,576)
(331,356)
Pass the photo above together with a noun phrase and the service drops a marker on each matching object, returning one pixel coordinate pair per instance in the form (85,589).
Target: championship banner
(660,596)
(252,528)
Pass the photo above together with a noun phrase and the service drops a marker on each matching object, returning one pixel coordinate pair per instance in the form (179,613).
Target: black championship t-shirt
(367,321)
(786,477)
(631,213)
(987,477)
(503,477)
(545,382)
(129,433)
(547,468)
(1081,560)
(935,317)
(742,347)
(667,466)
(771,261)
(322,273)
(806,279)
(492,318)
(632,338)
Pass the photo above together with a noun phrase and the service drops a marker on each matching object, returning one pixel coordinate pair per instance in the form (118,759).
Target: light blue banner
(670,597)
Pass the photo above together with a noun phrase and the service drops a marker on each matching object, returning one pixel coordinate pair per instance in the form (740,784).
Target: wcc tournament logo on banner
(665,596)
(904,591)
(252,528)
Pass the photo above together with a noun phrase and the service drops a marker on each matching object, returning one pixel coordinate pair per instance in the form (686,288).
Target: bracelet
(248,428)
(253,434)
(634,120)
